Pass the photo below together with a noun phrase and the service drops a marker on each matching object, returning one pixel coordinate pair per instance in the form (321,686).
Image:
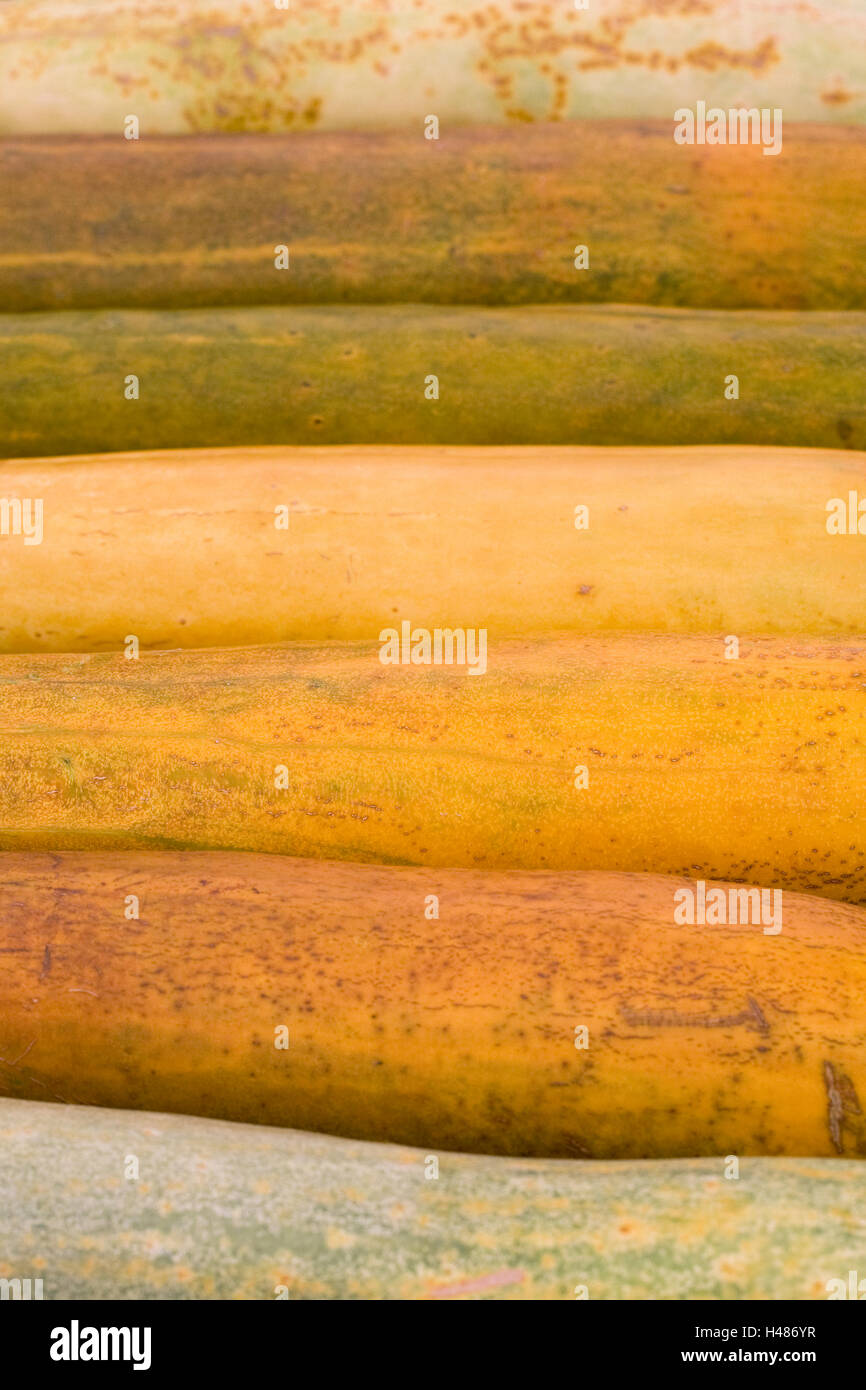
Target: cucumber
(109,1204)
(611,751)
(365,375)
(371,527)
(494,216)
(82,66)
(539,1014)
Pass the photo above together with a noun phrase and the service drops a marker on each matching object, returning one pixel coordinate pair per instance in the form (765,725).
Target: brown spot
(837,96)
(842,1100)
(669,1018)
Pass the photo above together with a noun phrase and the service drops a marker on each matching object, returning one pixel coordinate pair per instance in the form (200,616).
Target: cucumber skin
(358,375)
(229,1211)
(494,220)
(205,576)
(208,65)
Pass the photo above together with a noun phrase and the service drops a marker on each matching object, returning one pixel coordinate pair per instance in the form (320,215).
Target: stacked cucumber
(332,977)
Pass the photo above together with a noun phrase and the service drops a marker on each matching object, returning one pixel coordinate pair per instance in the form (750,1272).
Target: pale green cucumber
(110,1204)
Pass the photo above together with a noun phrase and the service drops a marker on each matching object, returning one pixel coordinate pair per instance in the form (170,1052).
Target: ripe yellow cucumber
(558,1014)
(188,549)
(81,66)
(422,374)
(660,753)
(382,217)
(226,1211)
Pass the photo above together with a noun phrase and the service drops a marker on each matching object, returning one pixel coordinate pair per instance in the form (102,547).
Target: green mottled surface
(227,1211)
(356,375)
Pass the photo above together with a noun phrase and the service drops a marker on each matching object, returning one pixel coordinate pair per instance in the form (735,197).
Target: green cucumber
(369,375)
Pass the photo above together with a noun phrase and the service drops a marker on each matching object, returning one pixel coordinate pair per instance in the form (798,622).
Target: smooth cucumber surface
(182,547)
(227,1211)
